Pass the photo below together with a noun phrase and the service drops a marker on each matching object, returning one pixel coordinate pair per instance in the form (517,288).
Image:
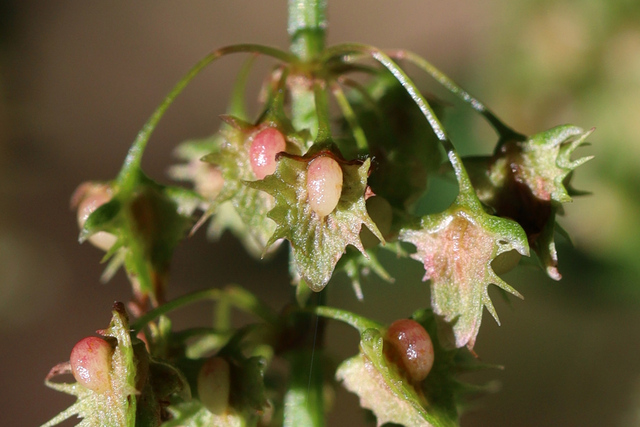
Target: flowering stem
(307,27)
(322,112)
(350,116)
(358,322)
(236,106)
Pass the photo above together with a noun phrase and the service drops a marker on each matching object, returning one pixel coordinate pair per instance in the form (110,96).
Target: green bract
(543,162)
(383,389)
(317,242)
(457,247)
(149,220)
(239,207)
(194,414)
(527,181)
(139,385)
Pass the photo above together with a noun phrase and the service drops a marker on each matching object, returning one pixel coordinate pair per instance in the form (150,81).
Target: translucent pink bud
(324,185)
(262,154)
(91,362)
(87,198)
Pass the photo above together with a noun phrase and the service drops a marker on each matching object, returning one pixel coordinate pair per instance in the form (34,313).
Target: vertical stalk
(304,400)
(304,404)
(307,27)
(303,105)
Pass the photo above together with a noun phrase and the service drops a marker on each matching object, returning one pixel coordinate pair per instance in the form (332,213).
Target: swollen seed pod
(409,345)
(262,153)
(324,185)
(213,385)
(89,197)
(91,362)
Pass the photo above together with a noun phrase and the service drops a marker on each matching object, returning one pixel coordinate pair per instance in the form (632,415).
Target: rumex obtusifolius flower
(318,239)
(528,181)
(246,153)
(457,248)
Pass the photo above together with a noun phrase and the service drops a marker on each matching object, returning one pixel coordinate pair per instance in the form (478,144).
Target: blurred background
(78,79)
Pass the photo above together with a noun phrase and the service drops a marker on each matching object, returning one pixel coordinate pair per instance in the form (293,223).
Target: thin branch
(350,116)
(131,166)
(467,193)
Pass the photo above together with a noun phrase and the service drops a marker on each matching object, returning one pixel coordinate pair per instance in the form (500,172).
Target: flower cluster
(337,183)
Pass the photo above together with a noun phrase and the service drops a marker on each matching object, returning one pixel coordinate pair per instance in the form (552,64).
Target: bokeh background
(78,79)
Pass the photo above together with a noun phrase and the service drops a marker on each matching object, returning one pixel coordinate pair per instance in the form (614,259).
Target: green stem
(307,27)
(182,336)
(322,112)
(366,96)
(131,168)
(232,294)
(504,131)
(276,99)
(466,194)
(350,116)
(303,106)
(358,322)
(304,398)
(237,105)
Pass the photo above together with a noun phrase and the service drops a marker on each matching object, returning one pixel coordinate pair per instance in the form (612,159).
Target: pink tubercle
(89,197)
(262,153)
(324,185)
(91,363)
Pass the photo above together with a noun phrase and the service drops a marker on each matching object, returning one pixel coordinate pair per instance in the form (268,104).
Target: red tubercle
(90,362)
(408,345)
(266,144)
